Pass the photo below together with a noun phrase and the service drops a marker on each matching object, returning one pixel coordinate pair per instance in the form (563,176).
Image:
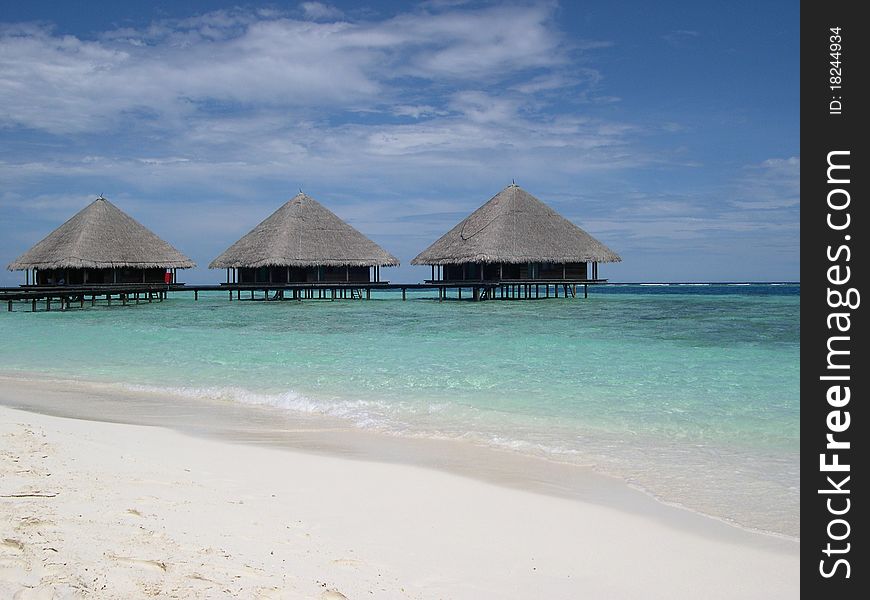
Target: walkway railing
(68,296)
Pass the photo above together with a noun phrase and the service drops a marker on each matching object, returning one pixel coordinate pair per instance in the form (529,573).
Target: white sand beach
(110,510)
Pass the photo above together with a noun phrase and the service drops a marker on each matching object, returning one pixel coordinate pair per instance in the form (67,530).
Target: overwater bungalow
(303,242)
(515,237)
(101,244)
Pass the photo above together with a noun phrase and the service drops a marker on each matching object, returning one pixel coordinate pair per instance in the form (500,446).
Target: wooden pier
(70,296)
(46,298)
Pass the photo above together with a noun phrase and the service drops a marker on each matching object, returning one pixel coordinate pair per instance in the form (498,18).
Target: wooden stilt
(196,294)
(9,308)
(585,290)
(403,293)
(33,305)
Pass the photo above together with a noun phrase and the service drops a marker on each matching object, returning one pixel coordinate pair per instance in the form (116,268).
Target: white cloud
(237,94)
(480,107)
(416,111)
(773,184)
(171,70)
(555,81)
(680,37)
(320,11)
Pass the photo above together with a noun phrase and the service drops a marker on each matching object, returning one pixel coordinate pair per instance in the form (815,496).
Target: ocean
(689,392)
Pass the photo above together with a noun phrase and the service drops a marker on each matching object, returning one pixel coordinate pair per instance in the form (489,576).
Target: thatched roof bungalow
(303,242)
(101,244)
(515,236)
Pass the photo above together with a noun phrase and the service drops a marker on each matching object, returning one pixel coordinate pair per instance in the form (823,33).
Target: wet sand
(163,495)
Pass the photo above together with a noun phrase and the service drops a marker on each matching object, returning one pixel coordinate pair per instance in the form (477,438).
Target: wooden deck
(78,296)
(67,296)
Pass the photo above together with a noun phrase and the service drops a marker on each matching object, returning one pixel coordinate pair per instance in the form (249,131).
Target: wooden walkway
(78,296)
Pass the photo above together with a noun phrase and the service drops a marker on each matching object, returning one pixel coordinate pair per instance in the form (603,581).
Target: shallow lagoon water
(689,392)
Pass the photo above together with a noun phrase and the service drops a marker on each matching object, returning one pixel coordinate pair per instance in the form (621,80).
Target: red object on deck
(167,277)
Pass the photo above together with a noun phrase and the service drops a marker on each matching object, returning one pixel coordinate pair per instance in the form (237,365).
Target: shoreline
(142,509)
(274,427)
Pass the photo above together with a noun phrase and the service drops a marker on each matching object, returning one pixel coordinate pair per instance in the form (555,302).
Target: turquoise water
(689,392)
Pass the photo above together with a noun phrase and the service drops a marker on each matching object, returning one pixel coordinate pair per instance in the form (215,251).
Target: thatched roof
(515,227)
(303,233)
(101,236)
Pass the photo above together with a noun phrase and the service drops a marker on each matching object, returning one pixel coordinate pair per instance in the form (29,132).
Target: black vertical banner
(834,174)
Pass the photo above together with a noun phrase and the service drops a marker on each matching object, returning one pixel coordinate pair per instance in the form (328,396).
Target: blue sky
(670,131)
